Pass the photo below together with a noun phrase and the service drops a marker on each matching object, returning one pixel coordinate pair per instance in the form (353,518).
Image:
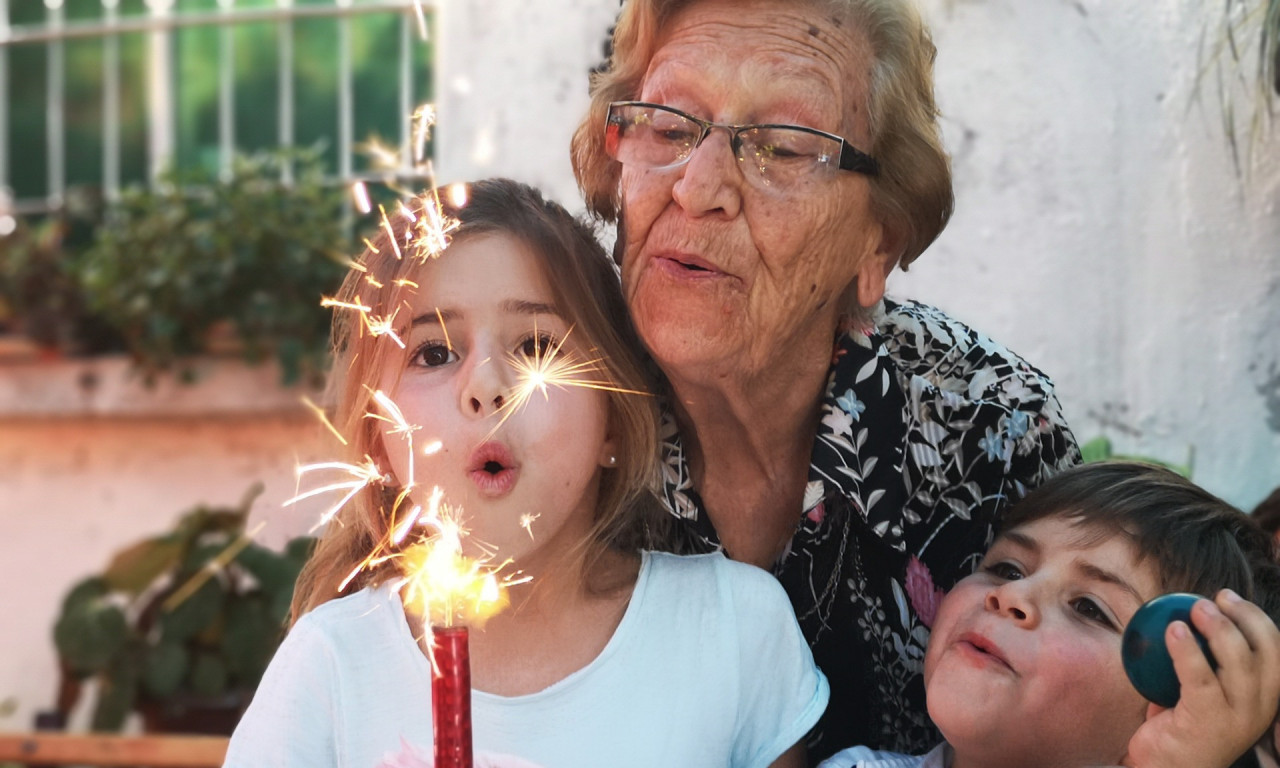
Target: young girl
(610,655)
(1024,666)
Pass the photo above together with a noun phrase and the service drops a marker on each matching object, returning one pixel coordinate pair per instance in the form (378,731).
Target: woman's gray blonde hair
(912,194)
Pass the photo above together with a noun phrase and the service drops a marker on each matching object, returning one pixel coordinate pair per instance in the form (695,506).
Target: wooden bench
(104,750)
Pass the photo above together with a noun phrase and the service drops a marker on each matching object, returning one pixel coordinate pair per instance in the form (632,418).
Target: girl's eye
(1004,570)
(432,355)
(539,346)
(1091,611)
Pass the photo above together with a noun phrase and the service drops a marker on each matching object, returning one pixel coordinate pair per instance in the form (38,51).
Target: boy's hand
(1219,715)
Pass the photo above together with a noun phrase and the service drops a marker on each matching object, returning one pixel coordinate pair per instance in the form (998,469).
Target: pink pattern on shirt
(924,596)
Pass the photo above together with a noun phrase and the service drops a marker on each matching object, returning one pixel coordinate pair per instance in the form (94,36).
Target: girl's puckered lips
(493,469)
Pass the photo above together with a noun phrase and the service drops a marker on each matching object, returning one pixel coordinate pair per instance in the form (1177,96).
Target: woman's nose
(710,180)
(1013,600)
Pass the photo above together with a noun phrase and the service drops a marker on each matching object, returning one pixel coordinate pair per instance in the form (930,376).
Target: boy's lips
(493,469)
(979,649)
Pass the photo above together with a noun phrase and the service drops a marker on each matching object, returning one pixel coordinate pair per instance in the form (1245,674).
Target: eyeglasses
(659,138)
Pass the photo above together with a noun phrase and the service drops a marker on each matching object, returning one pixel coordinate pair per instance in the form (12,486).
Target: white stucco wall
(1100,231)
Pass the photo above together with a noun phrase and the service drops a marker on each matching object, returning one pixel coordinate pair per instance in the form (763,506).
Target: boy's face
(1023,665)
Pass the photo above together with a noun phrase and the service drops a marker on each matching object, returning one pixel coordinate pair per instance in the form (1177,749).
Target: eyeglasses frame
(851,158)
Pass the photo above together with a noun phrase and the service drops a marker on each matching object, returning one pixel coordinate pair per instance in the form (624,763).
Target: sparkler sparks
(556,367)
(360,193)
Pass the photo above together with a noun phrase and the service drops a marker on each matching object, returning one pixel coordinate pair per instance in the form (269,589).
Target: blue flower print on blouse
(850,404)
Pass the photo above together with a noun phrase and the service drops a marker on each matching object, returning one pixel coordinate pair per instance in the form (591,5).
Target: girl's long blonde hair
(584,283)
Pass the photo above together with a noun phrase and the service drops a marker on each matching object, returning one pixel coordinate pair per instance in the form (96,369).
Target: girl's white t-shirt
(707,668)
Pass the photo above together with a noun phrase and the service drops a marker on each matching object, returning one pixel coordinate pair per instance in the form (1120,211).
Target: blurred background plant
(1100,449)
(180,626)
(179,268)
(40,294)
(1241,48)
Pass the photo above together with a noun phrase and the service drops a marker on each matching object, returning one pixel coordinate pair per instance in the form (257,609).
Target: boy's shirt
(861,757)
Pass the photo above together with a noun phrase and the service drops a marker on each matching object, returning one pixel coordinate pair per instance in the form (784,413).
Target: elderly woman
(768,164)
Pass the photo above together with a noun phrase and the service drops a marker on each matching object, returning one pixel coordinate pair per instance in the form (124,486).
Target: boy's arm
(1220,714)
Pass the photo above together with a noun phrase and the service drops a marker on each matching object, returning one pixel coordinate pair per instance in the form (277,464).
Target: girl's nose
(485,388)
(1013,600)
(478,407)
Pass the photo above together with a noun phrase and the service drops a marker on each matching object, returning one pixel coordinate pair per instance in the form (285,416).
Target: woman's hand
(1220,714)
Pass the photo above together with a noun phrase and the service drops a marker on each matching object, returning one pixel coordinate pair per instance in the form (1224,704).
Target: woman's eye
(539,347)
(434,355)
(1090,610)
(1004,570)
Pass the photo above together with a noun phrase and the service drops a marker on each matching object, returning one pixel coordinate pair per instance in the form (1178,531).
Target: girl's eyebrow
(520,307)
(510,306)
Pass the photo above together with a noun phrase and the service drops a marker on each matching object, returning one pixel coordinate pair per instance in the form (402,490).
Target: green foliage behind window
(171,266)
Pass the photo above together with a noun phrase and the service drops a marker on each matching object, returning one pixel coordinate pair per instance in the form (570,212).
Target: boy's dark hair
(1267,513)
(1199,543)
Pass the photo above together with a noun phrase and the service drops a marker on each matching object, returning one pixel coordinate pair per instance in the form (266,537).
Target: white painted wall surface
(1099,230)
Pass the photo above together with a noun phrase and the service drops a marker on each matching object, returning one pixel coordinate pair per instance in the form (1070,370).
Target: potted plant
(248,256)
(40,297)
(180,626)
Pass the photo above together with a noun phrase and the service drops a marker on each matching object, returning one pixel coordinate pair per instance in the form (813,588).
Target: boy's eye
(539,346)
(433,355)
(1090,610)
(1004,570)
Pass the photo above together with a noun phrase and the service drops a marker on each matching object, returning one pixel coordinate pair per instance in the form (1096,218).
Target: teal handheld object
(1146,658)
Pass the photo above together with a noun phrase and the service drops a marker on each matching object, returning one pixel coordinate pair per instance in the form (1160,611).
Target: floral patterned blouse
(929,430)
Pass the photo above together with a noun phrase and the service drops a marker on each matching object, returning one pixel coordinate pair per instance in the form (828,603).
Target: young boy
(1024,667)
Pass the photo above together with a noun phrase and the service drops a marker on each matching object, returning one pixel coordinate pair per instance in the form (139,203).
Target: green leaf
(250,640)
(208,675)
(1097,449)
(194,614)
(89,634)
(164,669)
(92,588)
(134,569)
(117,695)
(274,572)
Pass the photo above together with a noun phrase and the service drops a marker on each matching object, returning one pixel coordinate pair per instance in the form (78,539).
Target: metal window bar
(110,103)
(158,24)
(284,36)
(55,135)
(4,108)
(226,91)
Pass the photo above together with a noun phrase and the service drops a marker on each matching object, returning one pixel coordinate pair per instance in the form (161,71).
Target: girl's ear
(608,454)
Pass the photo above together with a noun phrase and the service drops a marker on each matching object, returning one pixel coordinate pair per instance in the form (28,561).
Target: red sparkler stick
(451,697)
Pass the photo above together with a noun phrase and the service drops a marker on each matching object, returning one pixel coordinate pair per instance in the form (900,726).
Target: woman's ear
(873,272)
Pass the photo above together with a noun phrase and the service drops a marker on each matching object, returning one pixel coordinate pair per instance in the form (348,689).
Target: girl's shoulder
(714,583)
(712,568)
(353,620)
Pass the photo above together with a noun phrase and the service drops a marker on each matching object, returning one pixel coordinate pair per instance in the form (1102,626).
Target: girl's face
(1023,665)
(526,476)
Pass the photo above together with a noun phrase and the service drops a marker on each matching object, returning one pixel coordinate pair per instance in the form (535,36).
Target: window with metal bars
(108,93)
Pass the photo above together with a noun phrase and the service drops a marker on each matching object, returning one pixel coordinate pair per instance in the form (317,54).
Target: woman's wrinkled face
(722,275)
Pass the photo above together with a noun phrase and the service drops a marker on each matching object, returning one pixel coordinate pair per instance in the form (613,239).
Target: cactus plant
(194,612)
